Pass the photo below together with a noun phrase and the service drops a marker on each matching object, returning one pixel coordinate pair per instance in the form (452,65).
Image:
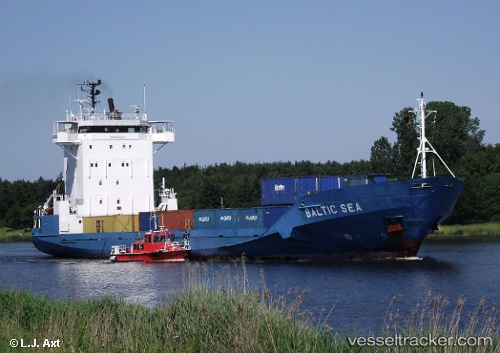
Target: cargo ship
(108,199)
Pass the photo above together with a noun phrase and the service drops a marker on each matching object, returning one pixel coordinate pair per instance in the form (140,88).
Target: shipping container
(126,223)
(307,185)
(380,178)
(330,183)
(108,224)
(251,217)
(176,220)
(204,219)
(356,180)
(225,218)
(146,221)
(282,191)
(273,213)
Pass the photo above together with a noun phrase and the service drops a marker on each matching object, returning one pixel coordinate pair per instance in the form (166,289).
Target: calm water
(358,294)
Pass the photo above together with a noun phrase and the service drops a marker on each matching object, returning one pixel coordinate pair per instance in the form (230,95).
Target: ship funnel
(111,105)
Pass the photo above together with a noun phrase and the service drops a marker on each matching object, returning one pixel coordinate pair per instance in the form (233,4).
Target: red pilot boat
(156,246)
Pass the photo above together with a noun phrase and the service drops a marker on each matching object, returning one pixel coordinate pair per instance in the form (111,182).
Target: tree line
(18,200)
(453,133)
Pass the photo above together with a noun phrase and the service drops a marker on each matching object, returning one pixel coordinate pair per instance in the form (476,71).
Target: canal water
(353,296)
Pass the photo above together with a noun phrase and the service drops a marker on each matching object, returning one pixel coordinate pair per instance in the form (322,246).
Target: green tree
(451,131)
(454,133)
(480,199)
(482,162)
(382,156)
(404,149)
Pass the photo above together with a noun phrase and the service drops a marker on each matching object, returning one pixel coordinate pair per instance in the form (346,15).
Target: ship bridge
(111,126)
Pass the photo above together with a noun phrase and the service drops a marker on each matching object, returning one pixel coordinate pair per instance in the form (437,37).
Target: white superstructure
(108,162)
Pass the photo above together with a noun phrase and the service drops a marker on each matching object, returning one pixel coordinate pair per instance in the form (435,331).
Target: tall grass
(213,313)
(217,311)
(437,317)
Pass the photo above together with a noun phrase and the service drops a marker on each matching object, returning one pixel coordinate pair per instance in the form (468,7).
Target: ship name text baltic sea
(326,210)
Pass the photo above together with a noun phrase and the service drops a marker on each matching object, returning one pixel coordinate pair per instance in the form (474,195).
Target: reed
(213,313)
(217,311)
(459,330)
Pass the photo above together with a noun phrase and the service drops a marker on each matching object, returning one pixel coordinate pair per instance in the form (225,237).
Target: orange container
(176,220)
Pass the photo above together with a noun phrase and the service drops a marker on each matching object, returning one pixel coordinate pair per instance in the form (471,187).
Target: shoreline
(470,231)
(463,237)
(9,235)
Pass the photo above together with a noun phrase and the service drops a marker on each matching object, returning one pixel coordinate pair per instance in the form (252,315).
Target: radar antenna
(93,92)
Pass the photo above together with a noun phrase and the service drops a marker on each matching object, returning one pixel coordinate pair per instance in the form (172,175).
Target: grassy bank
(220,314)
(482,230)
(13,235)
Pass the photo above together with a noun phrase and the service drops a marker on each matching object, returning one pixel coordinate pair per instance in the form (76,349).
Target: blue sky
(251,81)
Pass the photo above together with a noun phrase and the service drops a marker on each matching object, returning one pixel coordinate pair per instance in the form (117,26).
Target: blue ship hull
(381,220)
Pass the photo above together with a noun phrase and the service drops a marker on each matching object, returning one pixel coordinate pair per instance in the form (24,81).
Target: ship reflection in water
(359,292)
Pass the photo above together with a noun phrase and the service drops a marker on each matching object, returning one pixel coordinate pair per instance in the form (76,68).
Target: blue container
(204,219)
(308,185)
(146,221)
(272,214)
(225,218)
(282,191)
(251,218)
(330,183)
(357,180)
(380,178)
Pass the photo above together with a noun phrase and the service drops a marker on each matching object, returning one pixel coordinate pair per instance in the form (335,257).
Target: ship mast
(92,91)
(425,146)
